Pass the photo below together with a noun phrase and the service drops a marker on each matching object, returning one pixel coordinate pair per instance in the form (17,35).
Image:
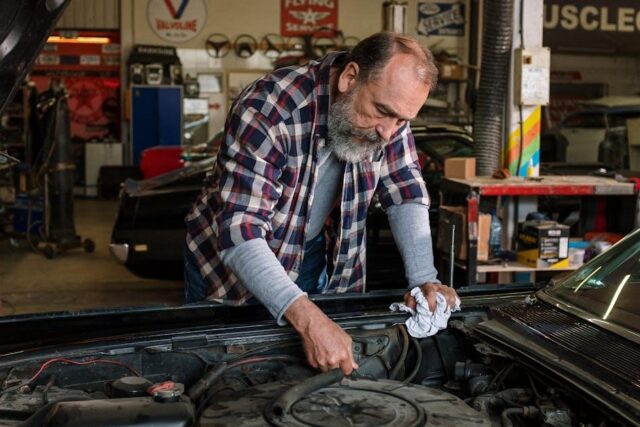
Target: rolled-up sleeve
(251,163)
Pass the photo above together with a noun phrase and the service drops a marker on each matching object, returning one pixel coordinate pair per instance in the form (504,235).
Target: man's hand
(326,345)
(430,290)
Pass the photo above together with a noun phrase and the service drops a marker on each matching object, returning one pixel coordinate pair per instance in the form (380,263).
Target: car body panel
(24,29)
(597,120)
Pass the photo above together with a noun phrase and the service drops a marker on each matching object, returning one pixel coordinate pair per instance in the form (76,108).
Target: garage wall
(621,74)
(358,18)
(91,15)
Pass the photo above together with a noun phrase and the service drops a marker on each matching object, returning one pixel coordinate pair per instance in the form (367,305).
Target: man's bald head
(373,54)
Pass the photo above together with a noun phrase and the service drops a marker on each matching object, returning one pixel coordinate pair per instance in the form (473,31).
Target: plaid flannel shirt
(263,182)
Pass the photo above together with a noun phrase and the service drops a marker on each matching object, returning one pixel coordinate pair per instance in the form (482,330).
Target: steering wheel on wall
(218,45)
(272,45)
(245,45)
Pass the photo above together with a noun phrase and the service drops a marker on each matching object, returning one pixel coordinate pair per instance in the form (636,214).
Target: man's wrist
(301,312)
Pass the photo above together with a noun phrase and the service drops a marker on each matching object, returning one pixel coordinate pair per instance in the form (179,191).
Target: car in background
(149,232)
(595,135)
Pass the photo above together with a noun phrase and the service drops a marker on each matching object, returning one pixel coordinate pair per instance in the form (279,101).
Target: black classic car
(568,355)
(149,233)
(564,355)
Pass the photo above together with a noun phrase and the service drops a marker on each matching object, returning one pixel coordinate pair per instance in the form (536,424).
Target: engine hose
(214,374)
(203,384)
(488,120)
(403,354)
(282,405)
(418,363)
(526,412)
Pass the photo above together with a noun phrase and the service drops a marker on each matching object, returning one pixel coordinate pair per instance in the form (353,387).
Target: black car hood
(598,362)
(46,330)
(24,28)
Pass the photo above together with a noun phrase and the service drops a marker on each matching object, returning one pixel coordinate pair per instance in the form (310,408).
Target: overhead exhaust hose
(488,121)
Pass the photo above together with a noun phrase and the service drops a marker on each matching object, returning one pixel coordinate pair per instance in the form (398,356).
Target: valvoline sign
(176,21)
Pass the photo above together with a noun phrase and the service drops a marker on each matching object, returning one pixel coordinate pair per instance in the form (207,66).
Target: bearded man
(283,213)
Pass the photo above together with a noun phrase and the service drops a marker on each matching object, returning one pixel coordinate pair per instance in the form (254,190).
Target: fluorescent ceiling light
(81,39)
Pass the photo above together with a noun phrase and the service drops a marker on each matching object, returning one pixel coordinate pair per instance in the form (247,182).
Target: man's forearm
(409,224)
(261,273)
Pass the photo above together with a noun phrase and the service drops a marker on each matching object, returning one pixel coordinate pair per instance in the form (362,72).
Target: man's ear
(348,77)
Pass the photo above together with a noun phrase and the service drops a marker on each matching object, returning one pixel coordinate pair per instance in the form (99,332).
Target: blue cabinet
(156,118)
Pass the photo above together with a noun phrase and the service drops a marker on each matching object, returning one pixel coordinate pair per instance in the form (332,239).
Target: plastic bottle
(495,238)
(530,169)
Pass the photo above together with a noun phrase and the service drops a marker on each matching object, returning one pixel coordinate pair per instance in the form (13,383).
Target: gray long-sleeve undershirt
(267,280)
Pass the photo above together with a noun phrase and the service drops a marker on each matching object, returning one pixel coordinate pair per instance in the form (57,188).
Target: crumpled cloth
(423,323)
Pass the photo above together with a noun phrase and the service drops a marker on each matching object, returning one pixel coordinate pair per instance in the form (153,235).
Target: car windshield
(609,286)
(444,146)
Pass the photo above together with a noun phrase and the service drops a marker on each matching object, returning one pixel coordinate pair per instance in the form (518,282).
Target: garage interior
(149,83)
(147,175)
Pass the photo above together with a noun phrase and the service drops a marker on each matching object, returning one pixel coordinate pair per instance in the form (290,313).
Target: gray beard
(342,134)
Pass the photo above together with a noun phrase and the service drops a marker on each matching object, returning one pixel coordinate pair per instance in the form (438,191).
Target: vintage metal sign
(441,19)
(176,21)
(592,26)
(299,17)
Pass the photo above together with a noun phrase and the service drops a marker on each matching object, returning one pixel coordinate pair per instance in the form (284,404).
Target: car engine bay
(243,378)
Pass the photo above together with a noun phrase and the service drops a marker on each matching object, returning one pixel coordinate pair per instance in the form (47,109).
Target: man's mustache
(368,136)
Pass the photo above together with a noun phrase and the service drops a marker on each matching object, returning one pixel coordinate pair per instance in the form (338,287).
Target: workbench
(471,190)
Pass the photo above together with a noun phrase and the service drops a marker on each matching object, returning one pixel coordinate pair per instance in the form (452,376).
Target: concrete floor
(76,280)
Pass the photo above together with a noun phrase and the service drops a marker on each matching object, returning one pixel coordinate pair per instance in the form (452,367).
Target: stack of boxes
(543,244)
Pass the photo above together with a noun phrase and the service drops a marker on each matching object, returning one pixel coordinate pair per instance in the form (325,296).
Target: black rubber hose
(526,412)
(403,354)
(203,384)
(283,404)
(418,363)
(488,126)
(214,374)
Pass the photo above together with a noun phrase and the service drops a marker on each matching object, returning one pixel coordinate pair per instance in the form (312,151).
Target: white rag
(423,323)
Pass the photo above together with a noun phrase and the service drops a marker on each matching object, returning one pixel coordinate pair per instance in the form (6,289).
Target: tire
(89,246)
(49,252)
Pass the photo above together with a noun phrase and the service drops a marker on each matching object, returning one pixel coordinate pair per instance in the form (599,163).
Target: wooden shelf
(516,267)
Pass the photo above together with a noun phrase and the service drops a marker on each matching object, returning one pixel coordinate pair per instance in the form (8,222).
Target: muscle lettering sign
(591,26)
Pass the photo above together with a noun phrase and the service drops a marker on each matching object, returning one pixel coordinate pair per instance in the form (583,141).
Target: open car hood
(24,28)
(38,330)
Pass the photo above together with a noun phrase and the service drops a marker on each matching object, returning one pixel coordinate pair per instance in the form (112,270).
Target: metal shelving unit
(473,189)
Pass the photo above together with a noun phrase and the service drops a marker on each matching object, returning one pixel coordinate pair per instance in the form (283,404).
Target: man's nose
(386,128)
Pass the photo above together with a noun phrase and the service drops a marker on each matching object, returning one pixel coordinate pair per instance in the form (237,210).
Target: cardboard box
(457,215)
(484,232)
(543,244)
(451,71)
(460,167)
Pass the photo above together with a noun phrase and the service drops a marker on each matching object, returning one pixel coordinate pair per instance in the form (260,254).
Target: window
(620,119)
(585,121)
(608,287)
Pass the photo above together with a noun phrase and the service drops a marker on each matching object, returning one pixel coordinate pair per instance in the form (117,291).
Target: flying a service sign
(176,21)
(592,26)
(299,17)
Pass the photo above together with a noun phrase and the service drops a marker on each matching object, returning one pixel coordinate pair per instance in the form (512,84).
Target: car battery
(543,244)
(28,214)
